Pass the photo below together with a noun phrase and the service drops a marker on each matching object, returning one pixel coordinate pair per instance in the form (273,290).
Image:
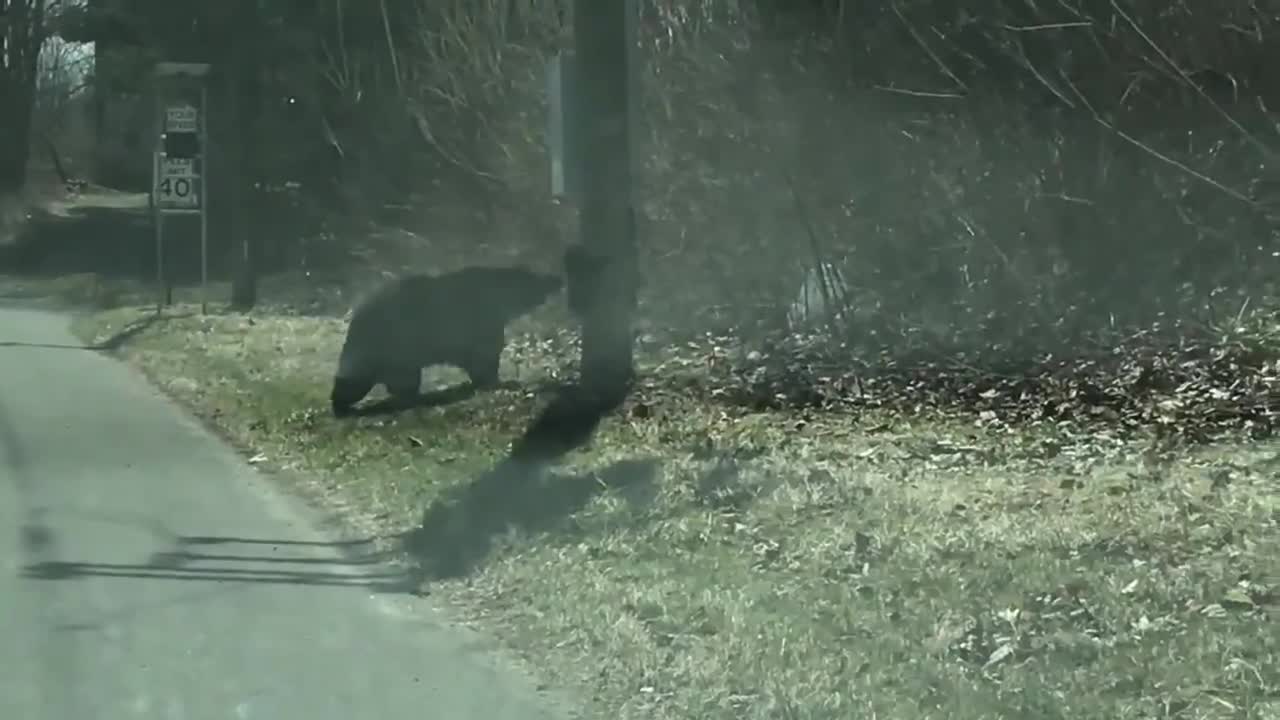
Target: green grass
(702,561)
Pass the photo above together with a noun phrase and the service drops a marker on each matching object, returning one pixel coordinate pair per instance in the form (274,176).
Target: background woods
(1017,171)
(956,384)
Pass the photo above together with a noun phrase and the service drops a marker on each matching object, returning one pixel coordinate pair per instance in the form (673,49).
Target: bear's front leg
(348,391)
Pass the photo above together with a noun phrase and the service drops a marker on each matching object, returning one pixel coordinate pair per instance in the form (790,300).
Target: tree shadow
(457,532)
(358,563)
(111,344)
(133,330)
(521,492)
(567,423)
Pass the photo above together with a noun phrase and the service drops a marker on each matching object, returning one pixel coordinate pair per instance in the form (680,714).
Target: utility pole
(243,96)
(606,80)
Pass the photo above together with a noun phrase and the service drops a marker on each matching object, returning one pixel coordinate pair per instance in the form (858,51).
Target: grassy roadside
(699,560)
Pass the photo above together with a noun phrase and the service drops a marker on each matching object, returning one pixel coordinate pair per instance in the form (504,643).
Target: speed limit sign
(176,184)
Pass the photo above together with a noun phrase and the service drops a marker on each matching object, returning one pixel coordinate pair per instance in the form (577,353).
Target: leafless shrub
(63,134)
(991,172)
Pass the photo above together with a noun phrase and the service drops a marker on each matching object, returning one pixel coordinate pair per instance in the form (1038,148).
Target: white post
(204,200)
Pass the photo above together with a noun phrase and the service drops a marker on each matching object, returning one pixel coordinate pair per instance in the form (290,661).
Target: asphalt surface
(146,571)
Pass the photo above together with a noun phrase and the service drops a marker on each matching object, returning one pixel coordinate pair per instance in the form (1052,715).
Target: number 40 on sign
(176,184)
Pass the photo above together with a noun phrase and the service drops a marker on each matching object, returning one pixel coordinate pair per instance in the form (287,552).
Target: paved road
(147,572)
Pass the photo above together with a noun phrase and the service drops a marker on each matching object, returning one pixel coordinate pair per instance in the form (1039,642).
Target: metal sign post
(179,166)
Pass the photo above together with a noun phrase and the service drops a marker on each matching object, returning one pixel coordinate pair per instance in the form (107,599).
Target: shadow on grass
(521,492)
(435,398)
(110,241)
(133,330)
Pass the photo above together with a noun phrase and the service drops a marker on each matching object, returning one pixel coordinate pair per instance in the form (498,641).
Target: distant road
(147,572)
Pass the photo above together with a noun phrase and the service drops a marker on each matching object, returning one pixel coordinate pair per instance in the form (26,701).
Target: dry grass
(702,561)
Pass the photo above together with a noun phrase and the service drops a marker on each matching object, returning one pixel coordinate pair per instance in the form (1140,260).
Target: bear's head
(517,291)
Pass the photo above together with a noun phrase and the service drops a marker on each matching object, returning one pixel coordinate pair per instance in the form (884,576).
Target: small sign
(181,119)
(176,184)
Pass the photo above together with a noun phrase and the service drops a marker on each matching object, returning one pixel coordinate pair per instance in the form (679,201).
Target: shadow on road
(521,492)
(358,564)
(100,621)
(111,344)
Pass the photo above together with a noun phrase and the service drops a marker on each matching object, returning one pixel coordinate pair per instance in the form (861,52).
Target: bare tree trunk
(103,58)
(606,282)
(15,136)
(602,270)
(21,37)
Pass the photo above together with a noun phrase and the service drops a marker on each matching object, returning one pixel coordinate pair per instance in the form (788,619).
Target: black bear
(414,321)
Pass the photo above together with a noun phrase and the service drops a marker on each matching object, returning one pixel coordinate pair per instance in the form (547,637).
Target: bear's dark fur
(415,321)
